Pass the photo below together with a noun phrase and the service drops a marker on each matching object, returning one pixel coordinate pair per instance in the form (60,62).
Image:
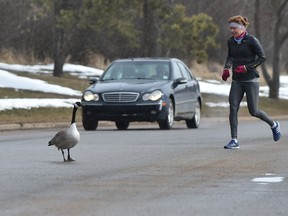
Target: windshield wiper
(108,79)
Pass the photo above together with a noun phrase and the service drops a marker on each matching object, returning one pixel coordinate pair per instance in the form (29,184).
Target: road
(146,171)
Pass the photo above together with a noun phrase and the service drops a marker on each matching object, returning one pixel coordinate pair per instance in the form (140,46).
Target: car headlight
(89,96)
(153,96)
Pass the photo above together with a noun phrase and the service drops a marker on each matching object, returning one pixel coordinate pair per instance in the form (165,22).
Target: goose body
(67,139)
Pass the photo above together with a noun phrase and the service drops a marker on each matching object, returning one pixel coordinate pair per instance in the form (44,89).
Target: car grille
(120,97)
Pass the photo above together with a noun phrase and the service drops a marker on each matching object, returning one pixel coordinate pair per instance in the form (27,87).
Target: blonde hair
(240,20)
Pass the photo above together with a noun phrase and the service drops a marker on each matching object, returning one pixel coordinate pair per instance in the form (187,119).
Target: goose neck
(74,115)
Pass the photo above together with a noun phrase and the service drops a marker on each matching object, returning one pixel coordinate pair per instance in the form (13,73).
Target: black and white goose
(67,139)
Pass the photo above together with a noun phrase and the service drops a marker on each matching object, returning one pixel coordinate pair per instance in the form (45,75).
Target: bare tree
(59,45)
(152,18)
(65,16)
(148,45)
(280,36)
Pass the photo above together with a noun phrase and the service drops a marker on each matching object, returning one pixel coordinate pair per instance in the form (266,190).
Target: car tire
(89,123)
(169,121)
(195,121)
(122,125)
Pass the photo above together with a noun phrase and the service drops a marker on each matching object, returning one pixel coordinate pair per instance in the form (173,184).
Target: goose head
(77,104)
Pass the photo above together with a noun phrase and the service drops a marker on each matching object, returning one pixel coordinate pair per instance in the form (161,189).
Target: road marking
(270,179)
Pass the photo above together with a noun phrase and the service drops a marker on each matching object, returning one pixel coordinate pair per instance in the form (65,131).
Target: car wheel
(195,121)
(89,123)
(122,125)
(169,121)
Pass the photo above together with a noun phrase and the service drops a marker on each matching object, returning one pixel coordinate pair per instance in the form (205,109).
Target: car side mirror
(179,81)
(93,80)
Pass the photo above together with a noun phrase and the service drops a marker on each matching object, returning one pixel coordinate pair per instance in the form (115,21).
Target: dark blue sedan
(160,90)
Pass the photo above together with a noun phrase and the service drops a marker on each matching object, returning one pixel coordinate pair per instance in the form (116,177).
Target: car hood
(128,86)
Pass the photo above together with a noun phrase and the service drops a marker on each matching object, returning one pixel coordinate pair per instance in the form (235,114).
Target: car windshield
(138,70)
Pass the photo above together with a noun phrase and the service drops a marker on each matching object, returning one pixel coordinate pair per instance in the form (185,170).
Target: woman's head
(238,25)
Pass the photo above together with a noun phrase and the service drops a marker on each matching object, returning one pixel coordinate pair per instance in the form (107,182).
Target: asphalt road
(146,171)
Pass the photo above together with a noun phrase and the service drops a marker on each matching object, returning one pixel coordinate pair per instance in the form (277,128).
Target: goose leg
(69,158)
(63,155)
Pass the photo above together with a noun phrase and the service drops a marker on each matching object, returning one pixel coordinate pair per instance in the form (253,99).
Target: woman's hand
(225,74)
(240,69)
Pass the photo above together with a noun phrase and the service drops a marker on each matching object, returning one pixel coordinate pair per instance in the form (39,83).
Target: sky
(11,80)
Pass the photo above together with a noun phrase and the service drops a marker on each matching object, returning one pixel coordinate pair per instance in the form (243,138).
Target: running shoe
(276,131)
(232,145)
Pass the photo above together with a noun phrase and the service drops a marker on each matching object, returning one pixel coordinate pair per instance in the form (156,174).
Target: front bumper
(131,111)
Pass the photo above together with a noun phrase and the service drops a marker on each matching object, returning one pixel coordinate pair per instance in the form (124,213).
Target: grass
(40,115)
(46,114)
(67,80)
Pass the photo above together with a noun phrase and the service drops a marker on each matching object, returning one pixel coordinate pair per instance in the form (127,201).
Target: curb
(25,126)
(61,125)
(45,125)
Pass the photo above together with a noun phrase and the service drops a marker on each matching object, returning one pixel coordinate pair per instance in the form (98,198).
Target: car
(161,90)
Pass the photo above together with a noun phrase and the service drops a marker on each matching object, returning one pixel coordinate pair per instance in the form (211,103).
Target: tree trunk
(59,57)
(274,87)
(278,42)
(149,30)
(58,46)
(257,25)
(274,82)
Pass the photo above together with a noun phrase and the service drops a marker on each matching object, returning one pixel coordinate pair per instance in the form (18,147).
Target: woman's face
(236,32)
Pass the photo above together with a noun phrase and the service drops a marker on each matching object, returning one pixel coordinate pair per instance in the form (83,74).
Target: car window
(177,72)
(112,73)
(161,72)
(156,70)
(186,73)
(128,72)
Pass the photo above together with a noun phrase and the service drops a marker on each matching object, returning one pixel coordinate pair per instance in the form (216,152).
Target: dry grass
(213,70)
(14,57)
(38,115)
(97,61)
(67,80)
(11,56)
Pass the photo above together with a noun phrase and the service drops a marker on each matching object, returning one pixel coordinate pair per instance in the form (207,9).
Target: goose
(67,139)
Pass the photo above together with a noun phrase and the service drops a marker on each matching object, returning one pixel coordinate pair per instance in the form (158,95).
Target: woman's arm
(258,50)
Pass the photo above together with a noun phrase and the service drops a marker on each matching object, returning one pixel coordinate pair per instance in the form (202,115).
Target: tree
(153,13)
(73,29)
(58,42)
(65,16)
(22,31)
(188,37)
(149,29)
(112,27)
(280,36)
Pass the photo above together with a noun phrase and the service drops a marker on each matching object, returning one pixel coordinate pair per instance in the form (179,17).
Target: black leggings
(252,96)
